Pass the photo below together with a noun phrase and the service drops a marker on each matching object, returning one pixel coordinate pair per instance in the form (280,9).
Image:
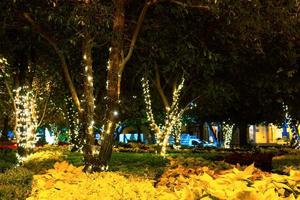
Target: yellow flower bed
(45,155)
(68,182)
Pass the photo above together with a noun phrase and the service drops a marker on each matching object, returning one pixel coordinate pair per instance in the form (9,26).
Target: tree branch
(9,92)
(160,90)
(135,35)
(61,56)
(189,5)
(44,112)
(132,43)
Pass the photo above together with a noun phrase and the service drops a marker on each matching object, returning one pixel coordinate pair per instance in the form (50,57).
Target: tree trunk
(139,138)
(201,130)
(4,135)
(220,135)
(119,131)
(243,136)
(88,114)
(115,61)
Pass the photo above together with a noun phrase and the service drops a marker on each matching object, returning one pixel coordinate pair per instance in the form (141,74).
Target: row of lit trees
(85,22)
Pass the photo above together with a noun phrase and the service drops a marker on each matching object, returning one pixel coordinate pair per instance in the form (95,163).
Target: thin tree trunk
(4,135)
(11,96)
(133,39)
(139,138)
(61,57)
(160,90)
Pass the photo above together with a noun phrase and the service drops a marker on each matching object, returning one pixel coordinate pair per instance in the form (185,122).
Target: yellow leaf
(249,170)
(187,194)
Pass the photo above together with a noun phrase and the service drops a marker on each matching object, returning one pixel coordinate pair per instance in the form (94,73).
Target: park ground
(136,172)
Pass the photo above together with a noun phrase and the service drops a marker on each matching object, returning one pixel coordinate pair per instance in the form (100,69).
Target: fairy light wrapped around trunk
(177,132)
(227,132)
(74,123)
(26,117)
(172,120)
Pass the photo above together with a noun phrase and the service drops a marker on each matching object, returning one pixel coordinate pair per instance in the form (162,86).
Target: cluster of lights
(173,116)
(89,102)
(3,65)
(108,66)
(177,131)
(227,132)
(73,119)
(26,117)
(288,117)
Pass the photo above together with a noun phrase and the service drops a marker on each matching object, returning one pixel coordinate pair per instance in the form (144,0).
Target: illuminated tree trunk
(227,131)
(88,114)
(172,120)
(115,61)
(26,119)
(11,95)
(74,123)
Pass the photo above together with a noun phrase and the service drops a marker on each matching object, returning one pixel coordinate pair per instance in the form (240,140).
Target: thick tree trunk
(243,134)
(115,59)
(88,114)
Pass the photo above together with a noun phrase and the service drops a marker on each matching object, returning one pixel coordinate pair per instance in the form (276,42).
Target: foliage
(135,147)
(138,164)
(284,162)
(188,167)
(63,182)
(44,158)
(249,183)
(15,183)
(8,159)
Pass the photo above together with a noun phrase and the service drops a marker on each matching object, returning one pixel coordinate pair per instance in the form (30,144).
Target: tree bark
(115,61)
(4,135)
(133,39)
(88,114)
(243,136)
(139,138)
(61,57)
(160,90)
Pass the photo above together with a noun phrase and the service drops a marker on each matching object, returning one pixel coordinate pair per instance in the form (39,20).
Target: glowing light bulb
(115,113)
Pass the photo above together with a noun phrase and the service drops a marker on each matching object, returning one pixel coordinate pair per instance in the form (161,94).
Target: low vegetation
(53,172)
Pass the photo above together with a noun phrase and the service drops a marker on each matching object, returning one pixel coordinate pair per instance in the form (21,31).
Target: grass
(280,163)
(16,183)
(141,164)
(8,159)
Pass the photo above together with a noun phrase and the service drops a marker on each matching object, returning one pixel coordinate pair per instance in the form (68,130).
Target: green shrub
(281,163)
(15,184)
(8,159)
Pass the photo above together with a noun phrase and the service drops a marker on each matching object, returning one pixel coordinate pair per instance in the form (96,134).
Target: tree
(172,120)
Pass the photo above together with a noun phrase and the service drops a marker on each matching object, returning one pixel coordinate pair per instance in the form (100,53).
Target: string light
(115,113)
(172,120)
(26,117)
(108,61)
(107,85)
(227,132)
(74,123)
